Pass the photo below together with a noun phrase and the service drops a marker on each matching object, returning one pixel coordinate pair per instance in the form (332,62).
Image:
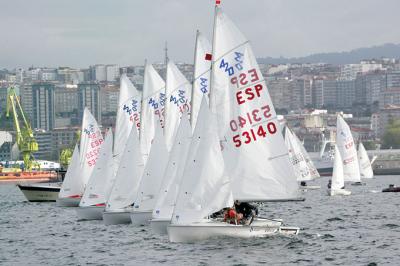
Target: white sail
(311,167)
(337,175)
(256,156)
(178,94)
(152,175)
(90,144)
(128,176)
(128,114)
(365,164)
(100,182)
(173,172)
(153,101)
(72,184)
(205,186)
(296,157)
(201,75)
(348,152)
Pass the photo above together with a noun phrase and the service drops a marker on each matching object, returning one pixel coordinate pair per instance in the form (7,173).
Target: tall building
(89,96)
(346,93)
(112,72)
(369,87)
(43,106)
(26,100)
(279,91)
(324,93)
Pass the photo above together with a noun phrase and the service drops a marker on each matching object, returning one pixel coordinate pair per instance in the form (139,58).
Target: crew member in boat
(303,183)
(329,183)
(247,210)
(231,216)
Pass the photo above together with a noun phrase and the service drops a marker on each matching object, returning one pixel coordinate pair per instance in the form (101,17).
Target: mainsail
(178,94)
(254,149)
(348,152)
(201,75)
(91,141)
(337,175)
(72,185)
(153,101)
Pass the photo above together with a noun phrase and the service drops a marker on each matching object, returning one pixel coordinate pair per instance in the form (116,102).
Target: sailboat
(89,149)
(364,163)
(150,181)
(348,152)
(337,183)
(303,166)
(162,213)
(254,150)
(206,189)
(124,191)
(98,188)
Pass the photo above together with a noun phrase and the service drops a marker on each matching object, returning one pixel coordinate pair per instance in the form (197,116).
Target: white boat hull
(339,192)
(159,226)
(90,213)
(205,230)
(68,202)
(116,217)
(141,218)
(40,192)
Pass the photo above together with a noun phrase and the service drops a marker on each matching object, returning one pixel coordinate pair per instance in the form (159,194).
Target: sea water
(361,229)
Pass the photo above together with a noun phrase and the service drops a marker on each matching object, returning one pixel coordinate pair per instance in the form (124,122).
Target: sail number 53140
(253,134)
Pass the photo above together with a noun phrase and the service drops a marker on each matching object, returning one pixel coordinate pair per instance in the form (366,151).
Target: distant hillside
(355,56)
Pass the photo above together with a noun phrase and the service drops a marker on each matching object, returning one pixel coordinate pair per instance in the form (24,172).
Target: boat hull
(339,192)
(116,217)
(141,218)
(391,189)
(40,192)
(68,202)
(159,226)
(90,213)
(206,230)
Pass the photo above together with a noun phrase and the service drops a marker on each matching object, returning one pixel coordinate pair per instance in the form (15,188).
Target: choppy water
(361,229)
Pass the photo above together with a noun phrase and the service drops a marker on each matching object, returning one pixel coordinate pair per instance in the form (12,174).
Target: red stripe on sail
(75,196)
(100,205)
(208,57)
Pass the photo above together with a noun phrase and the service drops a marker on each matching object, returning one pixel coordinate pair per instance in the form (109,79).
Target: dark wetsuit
(246,209)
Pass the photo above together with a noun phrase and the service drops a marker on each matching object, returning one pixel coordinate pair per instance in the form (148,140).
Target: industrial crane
(27,144)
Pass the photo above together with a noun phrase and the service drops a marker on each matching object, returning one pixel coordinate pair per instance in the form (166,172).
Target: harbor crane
(26,142)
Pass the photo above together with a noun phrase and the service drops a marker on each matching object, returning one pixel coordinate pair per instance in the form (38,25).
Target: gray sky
(82,32)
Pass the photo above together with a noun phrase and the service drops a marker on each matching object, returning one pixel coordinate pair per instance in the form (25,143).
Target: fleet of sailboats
(182,151)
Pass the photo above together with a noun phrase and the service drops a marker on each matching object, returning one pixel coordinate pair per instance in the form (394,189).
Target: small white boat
(40,192)
(337,183)
(82,162)
(364,162)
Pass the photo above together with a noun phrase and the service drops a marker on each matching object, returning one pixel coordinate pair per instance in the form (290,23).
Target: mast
(194,75)
(217,2)
(141,104)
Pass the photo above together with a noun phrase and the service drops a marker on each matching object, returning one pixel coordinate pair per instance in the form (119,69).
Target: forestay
(100,182)
(337,175)
(348,152)
(128,175)
(201,75)
(365,164)
(256,155)
(153,172)
(205,186)
(178,94)
(72,184)
(296,157)
(91,141)
(153,101)
(174,171)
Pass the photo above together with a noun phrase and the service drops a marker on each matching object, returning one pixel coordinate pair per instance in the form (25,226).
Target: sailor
(231,216)
(247,210)
(329,183)
(303,183)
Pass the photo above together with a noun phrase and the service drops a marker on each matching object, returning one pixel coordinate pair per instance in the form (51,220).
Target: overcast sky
(79,33)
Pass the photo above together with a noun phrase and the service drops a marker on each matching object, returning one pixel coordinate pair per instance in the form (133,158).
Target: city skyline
(78,34)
